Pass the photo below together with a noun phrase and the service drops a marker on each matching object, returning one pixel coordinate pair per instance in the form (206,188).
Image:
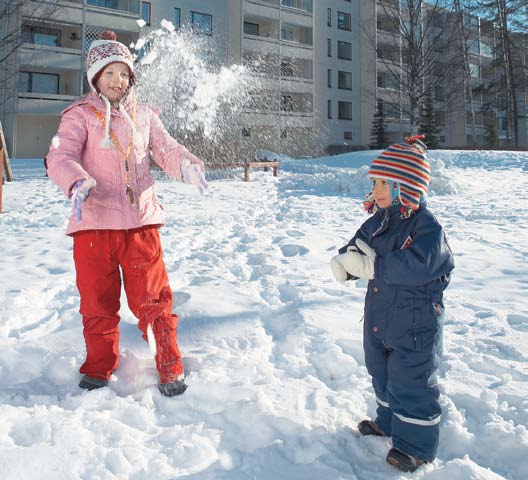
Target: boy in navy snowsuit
(402,250)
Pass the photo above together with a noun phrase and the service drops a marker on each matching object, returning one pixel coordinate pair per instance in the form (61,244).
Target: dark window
(246,132)
(287,69)
(287,103)
(344,110)
(202,23)
(344,21)
(38,82)
(41,36)
(329,109)
(251,28)
(349,135)
(329,78)
(329,47)
(439,92)
(283,134)
(177,18)
(344,50)
(145,12)
(344,80)
(329,17)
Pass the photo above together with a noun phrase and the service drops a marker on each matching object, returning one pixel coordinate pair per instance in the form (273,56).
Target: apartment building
(47,69)
(344,70)
(320,68)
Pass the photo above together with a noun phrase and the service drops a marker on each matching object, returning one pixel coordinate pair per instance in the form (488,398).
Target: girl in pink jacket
(100,159)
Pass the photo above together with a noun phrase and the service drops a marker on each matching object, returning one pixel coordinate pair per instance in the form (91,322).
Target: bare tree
(412,44)
(509,18)
(11,38)
(464,37)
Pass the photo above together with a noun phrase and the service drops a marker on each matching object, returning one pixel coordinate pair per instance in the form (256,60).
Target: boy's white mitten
(80,191)
(359,265)
(338,270)
(193,173)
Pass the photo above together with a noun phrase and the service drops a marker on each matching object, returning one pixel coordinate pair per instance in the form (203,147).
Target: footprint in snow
(518,322)
(291,250)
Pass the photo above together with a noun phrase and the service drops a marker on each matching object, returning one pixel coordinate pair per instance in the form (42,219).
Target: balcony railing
(305,5)
(131,6)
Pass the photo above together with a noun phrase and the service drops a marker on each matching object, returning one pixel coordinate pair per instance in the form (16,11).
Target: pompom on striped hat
(406,164)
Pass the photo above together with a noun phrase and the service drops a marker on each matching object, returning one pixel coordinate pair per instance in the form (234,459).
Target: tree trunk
(467,72)
(511,103)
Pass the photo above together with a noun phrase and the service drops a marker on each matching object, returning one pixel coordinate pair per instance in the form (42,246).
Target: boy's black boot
(89,383)
(172,389)
(369,427)
(403,461)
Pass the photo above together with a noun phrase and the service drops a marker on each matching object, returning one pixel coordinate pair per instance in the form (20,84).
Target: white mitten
(359,265)
(338,270)
(193,173)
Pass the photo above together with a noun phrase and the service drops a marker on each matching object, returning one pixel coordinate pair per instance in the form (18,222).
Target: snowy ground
(271,343)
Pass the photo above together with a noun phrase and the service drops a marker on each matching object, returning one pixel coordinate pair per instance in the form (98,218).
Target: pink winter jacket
(77,153)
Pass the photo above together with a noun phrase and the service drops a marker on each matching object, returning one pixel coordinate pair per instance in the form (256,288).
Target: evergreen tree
(490,125)
(428,123)
(378,132)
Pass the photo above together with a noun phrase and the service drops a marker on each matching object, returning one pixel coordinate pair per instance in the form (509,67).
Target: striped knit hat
(406,164)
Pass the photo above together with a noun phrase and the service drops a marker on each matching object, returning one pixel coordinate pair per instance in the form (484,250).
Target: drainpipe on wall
(83,33)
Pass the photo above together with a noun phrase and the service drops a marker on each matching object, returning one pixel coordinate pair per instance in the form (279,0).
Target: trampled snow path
(271,344)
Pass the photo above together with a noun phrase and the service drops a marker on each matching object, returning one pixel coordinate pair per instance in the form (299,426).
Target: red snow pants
(98,256)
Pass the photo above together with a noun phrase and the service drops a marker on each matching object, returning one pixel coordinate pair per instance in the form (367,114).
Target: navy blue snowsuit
(402,334)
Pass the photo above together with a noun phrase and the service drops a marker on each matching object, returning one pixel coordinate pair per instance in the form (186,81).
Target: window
(474,70)
(344,110)
(329,109)
(145,12)
(283,134)
(177,18)
(329,48)
(439,92)
(329,79)
(329,17)
(251,28)
(38,82)
(103,3)
(344,50)
(202,23)
(388,80)
(349,135)
(344,80)
(344,21)
(246,132)
(41,36)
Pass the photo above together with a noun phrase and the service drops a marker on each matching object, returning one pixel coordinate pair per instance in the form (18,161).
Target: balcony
(257,26)
(304,5)
(297,34)
(49,58)
(130,6)
(43,103)
(296,103)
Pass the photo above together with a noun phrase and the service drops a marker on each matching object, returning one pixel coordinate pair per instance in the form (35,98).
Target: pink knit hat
(103,52)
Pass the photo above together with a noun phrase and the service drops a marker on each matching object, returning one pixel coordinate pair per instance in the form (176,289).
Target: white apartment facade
(290,109)
(315,60)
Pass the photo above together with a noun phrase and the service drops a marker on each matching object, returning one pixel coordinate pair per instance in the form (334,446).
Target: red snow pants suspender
(98,255)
